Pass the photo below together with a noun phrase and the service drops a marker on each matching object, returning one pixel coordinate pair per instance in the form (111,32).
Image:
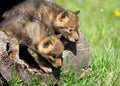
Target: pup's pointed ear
(64,14)
(59,36)
(77,12)
(61,19)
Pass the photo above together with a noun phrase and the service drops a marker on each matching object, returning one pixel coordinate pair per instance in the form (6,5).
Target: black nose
(76,39)
(59,67)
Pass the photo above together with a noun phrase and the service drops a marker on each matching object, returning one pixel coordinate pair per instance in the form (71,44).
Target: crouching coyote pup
(51,49)
(53,15)
(26,30)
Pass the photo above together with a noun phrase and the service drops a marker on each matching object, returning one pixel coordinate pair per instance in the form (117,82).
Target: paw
(46,69)
(35,71)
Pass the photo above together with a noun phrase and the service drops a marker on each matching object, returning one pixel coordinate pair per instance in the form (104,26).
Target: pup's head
(51,48)
(67,23)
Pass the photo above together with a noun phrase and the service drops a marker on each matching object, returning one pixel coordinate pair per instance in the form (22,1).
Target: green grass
(101,29)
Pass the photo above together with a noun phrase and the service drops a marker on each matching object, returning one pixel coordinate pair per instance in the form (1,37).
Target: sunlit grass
(101,29)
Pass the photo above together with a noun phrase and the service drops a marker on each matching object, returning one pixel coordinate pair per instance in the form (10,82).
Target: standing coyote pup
(24,29)
(53,15)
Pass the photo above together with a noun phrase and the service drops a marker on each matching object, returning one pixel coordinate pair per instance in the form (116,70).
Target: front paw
(46,69)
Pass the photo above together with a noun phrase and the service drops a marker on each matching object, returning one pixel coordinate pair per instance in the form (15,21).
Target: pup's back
(41,9)
(53,15)
(25,29)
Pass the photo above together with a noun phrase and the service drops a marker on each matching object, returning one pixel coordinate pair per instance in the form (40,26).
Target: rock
(77,55)
(3,81)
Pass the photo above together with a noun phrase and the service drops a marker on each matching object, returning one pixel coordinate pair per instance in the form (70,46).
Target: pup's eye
(46,44)
(70,30)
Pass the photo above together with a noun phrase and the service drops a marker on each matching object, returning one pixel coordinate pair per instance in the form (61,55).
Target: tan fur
(62,21)
(40,61)
(23,29)
(51,48)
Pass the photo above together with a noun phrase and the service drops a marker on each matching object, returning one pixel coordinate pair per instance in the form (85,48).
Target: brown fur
(23,29)
(51,48)
(62,21)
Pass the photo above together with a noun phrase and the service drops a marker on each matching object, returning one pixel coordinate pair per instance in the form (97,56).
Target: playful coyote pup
(53,15)
(24,29)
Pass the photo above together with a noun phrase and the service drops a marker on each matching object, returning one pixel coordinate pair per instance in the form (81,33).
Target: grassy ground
(101,28)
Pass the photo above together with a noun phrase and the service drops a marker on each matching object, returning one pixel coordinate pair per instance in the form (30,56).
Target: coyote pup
(53,15)
(51,48)
(24,29)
